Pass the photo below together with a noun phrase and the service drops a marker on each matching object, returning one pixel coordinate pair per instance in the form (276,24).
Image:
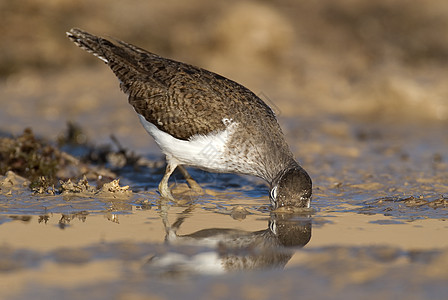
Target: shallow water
(377,226)
(123,250)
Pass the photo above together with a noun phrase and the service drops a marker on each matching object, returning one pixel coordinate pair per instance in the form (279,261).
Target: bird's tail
(89,42)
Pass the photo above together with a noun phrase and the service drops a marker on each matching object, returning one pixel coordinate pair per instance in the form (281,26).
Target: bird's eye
(274,193)
(273,227)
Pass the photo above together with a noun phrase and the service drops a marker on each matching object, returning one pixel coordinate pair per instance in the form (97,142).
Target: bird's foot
(194,186)
(165,192)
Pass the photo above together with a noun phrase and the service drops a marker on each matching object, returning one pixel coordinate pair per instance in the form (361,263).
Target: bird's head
(292,187)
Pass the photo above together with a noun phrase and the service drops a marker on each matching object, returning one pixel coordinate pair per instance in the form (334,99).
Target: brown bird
(204,120)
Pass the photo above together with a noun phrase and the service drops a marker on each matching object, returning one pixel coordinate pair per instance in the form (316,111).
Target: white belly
(201,151)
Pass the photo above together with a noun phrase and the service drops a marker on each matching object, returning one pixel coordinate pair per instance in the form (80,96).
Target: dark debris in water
(82,187)
(411,207)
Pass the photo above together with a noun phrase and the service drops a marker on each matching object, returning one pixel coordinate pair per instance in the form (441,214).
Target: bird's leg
(171,230)
(163,185)
(182,216)
(191,182)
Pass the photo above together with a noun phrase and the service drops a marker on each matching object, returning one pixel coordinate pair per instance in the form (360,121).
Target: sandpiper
(218,250)
(201,119)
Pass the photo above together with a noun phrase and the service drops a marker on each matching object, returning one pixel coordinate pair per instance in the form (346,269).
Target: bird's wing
(178,98)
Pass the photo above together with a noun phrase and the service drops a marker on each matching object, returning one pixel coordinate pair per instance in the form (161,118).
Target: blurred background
(380,61)
(361,91)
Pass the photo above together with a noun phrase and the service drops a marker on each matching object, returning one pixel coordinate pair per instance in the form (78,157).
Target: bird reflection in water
(220,250)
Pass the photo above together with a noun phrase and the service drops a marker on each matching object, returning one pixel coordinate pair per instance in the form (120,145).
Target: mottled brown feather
(178,98)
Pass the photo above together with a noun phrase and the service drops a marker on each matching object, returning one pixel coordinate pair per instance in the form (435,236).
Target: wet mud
(361,99)
(378,221)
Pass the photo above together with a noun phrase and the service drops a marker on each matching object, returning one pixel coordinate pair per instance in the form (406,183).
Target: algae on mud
(46,169)
(31,158)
